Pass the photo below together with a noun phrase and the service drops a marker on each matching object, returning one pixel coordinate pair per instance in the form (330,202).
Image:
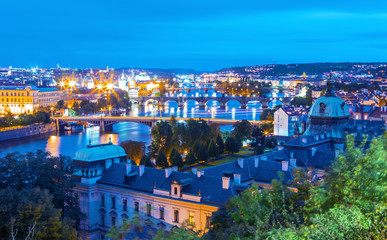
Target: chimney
(200,173)
(240,162)
(263,158)
(225,182)
(128,166)
(108,163)
(141,170)
(304,140)
(194,170)
(285,166)
(174,169)
(237,178)
(292,154)
(256,162)
(313,151)
(293,162)
(280,148)
(168,172)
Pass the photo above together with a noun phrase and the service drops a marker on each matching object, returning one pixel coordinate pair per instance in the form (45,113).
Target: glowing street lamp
(52,111)
(72,84)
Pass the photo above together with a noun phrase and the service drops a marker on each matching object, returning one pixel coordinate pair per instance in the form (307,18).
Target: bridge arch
(212,103)
(191,103)
(254,104)
(150,101)
(171,104)
(233,103)
(275,102)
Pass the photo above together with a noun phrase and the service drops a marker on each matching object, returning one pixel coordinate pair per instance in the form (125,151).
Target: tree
(190,158)
(232,145)
(161,160)
(202,154)
(30,214)
(309,99)
(146,160)
(60,105)
(258,142)
(213,150)
(243,128)
(175,158)
(134,150)
(219,143)
(270,117)
(40,169)
(162,138)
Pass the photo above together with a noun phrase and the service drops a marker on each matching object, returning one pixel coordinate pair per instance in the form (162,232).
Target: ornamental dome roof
(99,152)
(329,105)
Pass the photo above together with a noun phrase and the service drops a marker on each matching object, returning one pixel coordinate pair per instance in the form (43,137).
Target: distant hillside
(300,68)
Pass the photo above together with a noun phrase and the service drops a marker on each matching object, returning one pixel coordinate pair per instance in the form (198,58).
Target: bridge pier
(202,105)
(243,105)
(265,104)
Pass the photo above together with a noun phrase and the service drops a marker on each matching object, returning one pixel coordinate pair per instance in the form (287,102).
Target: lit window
(191,218)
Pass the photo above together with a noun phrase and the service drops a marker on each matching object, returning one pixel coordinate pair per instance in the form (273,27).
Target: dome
(329,114)
(330,107)
(99,152)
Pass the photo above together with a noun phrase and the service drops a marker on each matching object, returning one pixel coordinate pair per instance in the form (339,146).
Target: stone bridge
(106,123)
(143,101)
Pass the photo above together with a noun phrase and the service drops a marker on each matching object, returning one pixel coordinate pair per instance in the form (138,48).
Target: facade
(316,93)
(18,99)
(287,121)
(47,97)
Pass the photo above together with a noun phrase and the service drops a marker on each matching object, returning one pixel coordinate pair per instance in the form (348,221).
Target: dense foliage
(22,173)
(24,119)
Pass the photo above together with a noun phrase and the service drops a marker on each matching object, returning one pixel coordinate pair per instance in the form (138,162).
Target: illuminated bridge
(106,123)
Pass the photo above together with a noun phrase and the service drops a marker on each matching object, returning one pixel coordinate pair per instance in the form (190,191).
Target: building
(111,189)
(288,121)
(18,99)
(316,93)
(123,82)
(47,97)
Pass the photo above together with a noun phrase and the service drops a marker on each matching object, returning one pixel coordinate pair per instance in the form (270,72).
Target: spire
(330,91)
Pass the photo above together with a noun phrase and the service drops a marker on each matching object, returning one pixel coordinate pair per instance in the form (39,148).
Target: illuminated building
(88,82)
(18,99)
(142,77)
(123,82)
(50,96)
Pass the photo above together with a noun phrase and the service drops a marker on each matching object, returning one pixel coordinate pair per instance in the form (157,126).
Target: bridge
(106,123)
(143,101)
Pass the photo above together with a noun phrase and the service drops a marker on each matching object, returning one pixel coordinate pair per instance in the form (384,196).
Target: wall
(30,130)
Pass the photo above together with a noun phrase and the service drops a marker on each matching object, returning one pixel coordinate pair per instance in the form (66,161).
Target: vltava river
(68,143)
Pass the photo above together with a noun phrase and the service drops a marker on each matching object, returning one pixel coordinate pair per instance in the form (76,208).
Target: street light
(52,112)
(110,113)
(160,108)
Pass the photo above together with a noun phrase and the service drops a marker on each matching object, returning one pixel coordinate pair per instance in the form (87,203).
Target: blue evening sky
(197,34)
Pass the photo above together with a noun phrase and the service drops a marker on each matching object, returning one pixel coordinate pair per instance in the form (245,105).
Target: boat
(67,128)
(77,127)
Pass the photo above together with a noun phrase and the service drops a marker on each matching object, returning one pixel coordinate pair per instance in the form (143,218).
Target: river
(67,143)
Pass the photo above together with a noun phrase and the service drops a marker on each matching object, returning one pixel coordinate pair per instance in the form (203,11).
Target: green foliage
(25,119)
(40,169)
(258,141)
(190,158)
(162,137)
(202,154)
(299,101)
(213,150)
(268,112)
(134,150)
(175,158)
(88,107)
(30,214)
(243,128)
(219,143)
(232,145)
(60,105)
(146,160)
(161,160)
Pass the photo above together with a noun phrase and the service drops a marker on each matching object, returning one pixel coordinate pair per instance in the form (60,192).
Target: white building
(287,121)
(123,82)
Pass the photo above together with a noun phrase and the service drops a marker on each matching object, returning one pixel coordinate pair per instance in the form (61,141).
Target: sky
(204,35)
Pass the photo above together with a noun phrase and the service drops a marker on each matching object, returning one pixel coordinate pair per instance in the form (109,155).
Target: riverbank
(26,131)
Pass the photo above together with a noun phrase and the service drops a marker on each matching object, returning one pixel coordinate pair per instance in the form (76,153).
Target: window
(176,216)
(114,202)
(113,221)
(102,198)
(149,209)
(175,190)
(161,213)
(102,219)
(208,221)
(124,205)
(136,206)
(191,218)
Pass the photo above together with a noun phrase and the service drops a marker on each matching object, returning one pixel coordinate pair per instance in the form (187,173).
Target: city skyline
(204,36)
